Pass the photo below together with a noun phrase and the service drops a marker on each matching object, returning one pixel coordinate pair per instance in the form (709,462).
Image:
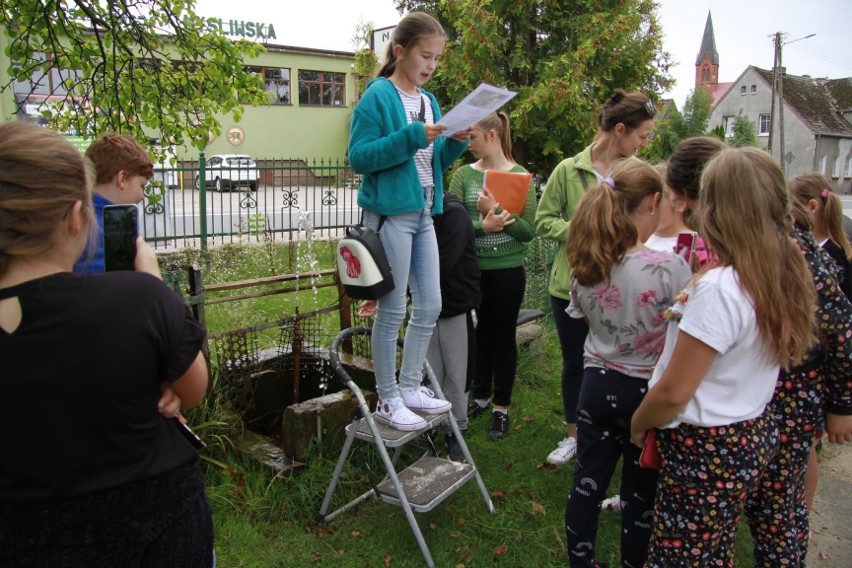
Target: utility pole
(778,85)
(777,41)
(780,71)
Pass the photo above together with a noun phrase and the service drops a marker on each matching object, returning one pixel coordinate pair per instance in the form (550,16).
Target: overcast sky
(742,29)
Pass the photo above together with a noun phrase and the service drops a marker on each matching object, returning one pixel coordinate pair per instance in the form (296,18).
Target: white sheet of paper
(481,102)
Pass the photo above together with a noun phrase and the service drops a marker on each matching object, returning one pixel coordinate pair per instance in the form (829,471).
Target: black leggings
(497,320)
(572,337)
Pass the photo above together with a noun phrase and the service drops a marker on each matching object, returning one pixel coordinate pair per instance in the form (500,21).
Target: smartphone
(685,244)
(120,232)
(187,433)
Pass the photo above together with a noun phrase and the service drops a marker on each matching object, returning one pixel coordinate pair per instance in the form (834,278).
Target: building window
(822,164)
(705,75)
(728,121)
(322,88)
(276,82)
(835,167)
(753,89)
(743,90)
(763,125)
(50,84)
(848,173)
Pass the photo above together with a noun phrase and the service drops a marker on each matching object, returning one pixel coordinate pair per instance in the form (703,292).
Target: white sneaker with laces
(421,398)
(614,504)
(393,412)
(564,452)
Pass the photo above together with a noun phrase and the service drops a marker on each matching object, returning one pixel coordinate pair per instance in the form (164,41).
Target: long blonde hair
(602,229)
(41,177)
(499,123)
(746,220)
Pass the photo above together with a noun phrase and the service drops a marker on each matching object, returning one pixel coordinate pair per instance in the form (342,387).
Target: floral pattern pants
(776,509)
(705,477)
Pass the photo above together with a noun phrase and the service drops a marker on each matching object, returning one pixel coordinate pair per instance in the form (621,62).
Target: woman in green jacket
(625,122)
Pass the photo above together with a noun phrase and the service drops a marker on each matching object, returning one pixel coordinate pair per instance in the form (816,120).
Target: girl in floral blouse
(622,288)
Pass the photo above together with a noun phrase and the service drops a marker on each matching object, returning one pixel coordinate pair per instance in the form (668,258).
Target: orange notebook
(508,188)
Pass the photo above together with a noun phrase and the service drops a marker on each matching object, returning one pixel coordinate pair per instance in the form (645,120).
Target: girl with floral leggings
(731,330)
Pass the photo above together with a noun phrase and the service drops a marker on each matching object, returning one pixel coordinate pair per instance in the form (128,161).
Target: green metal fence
(193,206)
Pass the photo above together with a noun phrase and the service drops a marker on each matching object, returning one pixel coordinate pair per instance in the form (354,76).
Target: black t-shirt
(80,380)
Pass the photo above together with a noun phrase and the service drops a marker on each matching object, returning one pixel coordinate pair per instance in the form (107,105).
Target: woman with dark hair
(625,122)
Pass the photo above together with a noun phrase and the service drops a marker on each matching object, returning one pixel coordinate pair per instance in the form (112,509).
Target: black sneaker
(454,451)
(474,410)
(499,425)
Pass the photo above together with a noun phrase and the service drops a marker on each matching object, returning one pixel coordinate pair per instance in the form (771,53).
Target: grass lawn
(267,520)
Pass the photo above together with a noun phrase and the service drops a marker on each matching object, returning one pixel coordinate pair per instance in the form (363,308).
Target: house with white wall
(817,118)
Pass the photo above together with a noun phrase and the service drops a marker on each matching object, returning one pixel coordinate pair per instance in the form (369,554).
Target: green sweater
(503,249)
(562,194)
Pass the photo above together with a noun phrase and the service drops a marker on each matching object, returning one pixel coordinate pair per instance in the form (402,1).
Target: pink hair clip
(825,192)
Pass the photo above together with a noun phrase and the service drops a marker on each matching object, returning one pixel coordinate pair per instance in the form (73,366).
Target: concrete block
(527,332)
(323,418)
(262,449)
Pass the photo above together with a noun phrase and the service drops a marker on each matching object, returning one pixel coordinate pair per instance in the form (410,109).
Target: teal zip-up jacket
(382,146)
(557,205)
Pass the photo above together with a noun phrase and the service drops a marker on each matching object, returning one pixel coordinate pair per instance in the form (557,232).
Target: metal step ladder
(420,487)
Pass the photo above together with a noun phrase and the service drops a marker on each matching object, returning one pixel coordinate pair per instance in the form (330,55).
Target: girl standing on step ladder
(402,153)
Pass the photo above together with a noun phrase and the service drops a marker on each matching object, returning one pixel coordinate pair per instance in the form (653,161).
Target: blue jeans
(412,250)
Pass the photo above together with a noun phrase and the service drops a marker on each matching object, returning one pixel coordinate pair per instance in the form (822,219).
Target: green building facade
(313,92)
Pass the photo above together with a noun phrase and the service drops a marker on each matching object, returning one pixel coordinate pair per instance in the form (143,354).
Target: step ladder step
(427,482)
(392,437)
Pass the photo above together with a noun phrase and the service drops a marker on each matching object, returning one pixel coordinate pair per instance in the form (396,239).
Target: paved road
(831,517)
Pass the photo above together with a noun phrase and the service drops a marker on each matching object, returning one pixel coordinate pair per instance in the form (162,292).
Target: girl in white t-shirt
(729,333)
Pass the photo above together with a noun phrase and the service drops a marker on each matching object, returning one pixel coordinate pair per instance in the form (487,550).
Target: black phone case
(120,231)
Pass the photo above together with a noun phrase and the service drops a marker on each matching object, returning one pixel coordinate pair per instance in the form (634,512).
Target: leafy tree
(664,137)
(744,132)
(718,131)
(563,57)
(130,67)
(366,59)
(696,113)
(678,126)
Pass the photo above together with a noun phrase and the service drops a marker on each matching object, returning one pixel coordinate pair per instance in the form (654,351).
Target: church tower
(707,62)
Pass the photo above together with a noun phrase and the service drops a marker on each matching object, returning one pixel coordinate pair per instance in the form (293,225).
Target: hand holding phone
(120,232)
(685,244)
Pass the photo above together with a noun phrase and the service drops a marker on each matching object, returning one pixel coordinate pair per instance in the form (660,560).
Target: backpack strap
(381,221)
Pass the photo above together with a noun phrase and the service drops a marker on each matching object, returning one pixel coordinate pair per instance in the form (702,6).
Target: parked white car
(227,171)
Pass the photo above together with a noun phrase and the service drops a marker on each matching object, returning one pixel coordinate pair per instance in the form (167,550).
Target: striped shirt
(413,106)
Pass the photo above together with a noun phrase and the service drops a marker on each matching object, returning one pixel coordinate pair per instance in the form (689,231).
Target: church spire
(707,62)
(708,44)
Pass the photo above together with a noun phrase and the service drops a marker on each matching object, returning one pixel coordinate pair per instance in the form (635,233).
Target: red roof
(718,91)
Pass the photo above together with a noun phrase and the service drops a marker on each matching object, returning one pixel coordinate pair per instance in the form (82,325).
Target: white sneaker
(421,398)
(564,452)
(614,504)
(392,411)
